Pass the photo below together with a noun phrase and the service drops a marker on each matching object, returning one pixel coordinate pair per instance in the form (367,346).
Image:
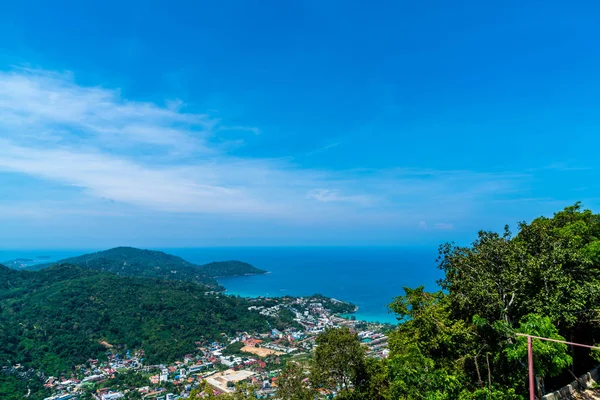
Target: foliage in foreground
(461,342)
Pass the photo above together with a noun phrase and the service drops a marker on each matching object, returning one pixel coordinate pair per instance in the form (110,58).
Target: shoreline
(239,275)
(370,318)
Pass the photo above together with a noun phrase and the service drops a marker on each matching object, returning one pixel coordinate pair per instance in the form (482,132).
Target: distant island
(130,261)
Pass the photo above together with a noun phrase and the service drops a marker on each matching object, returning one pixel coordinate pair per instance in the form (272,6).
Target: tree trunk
(487,359)
(479,381)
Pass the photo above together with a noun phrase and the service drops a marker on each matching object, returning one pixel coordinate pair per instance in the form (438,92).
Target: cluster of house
(257,359)
(376,342)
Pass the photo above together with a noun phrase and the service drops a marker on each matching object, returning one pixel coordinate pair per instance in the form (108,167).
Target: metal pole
(530,357)
(531,378)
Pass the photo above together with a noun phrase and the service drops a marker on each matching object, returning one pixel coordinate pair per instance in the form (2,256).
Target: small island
(221,269)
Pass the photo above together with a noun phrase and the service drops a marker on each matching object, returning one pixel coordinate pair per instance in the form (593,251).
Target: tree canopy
(462,340)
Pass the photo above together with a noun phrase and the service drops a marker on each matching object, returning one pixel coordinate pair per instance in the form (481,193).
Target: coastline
(373,318)
(360,316)
(238,275)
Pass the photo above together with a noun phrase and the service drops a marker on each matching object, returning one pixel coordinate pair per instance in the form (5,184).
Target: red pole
(530,358)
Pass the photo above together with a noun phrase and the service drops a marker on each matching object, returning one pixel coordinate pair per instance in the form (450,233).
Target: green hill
(129,261)
(230,268)
(55,318)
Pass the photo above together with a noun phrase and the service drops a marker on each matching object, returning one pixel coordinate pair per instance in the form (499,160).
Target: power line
(530,356)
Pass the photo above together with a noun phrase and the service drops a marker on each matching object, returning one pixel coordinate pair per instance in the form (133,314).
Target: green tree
(485,279)
(490,394)
(376,385)
(243,391)
(551,268)
(293,385)
(550,358)
(428,349)
(339,362)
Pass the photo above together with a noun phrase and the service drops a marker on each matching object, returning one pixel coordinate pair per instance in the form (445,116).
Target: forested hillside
(56,318)
(129,261)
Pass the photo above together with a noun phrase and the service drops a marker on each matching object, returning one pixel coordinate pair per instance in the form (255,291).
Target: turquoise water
(368,277)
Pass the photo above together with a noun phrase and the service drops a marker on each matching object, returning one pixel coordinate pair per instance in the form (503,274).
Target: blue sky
(292,123)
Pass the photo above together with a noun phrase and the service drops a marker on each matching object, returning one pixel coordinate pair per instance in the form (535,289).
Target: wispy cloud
(323,148)
(251,129)
(50,106)
(329,196)
(444,226)
(562,167)
(164,158)
(106,176)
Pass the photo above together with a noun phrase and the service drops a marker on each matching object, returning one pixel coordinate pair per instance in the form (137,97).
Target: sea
(369,277)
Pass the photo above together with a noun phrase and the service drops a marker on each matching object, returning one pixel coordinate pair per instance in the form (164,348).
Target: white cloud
(251,129)
(328,196)
(161,158)
(47,105)
(174,104)
(105,176)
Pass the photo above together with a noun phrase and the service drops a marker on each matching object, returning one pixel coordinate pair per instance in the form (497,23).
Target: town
(253,358)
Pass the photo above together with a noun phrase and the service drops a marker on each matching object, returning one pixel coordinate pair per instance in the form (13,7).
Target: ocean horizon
(369,277)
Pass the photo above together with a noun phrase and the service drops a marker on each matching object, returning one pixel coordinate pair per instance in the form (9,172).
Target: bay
(369,277)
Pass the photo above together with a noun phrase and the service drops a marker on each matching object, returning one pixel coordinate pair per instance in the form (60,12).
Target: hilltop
(130,261)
